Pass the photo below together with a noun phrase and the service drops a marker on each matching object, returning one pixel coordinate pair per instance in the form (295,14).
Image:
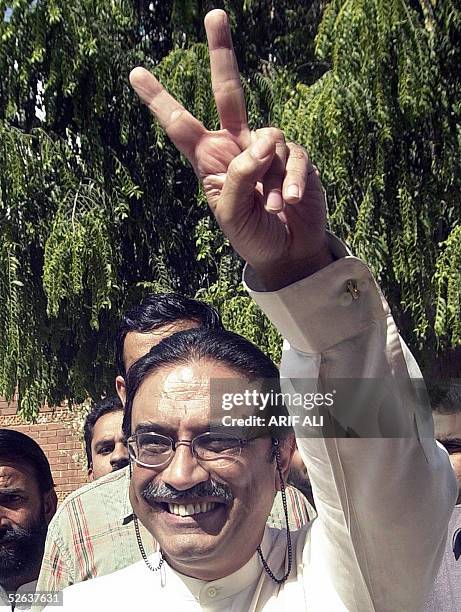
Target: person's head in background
(299,478)
(446,408)
(27,504)
(158,315)
(141,328)
(104,441)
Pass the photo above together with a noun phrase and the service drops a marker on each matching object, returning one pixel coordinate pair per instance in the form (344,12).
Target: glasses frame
(242,443)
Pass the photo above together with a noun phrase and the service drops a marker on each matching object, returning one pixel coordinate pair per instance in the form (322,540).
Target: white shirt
(383,504)
(24,590)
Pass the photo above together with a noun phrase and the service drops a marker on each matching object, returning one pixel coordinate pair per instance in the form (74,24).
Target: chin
(186,549)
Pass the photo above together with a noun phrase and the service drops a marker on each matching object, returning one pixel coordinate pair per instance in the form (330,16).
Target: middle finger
(225,78)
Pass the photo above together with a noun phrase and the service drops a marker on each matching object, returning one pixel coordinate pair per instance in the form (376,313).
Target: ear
(286,449)
(90,474)
(50,503)
(121,388)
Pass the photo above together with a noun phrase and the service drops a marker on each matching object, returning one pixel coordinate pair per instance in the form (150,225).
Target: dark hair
(183,347)
(445,396)
(158,309)
(109,404)
(19,448)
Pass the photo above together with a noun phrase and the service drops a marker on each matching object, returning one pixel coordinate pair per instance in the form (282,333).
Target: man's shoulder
(300,512)
(112,486)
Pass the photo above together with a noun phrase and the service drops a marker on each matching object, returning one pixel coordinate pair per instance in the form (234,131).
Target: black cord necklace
(142,550)
(141,545)
(268,570)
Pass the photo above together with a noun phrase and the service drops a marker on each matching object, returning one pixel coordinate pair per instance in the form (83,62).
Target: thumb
(243,173)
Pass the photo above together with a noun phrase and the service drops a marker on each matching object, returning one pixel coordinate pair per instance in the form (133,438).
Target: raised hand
(265,193)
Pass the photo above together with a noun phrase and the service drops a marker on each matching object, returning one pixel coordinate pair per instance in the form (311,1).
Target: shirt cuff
(326,308)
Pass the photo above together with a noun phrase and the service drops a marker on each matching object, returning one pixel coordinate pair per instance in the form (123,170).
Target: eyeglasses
(150,449)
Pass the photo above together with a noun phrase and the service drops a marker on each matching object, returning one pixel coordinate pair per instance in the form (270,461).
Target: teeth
(190,509)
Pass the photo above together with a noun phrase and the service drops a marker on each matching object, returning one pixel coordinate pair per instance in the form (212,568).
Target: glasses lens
(152,449)
(221,449)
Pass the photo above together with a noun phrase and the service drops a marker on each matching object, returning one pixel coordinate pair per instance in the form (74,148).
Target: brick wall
(55,431)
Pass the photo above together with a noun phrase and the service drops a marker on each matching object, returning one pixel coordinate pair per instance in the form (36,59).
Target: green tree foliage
(97,208)
(383,124)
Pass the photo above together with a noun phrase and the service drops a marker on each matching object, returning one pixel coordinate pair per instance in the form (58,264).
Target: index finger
(225,77)
(183,128)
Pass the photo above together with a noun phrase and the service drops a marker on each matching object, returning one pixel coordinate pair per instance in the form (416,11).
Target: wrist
(283,273)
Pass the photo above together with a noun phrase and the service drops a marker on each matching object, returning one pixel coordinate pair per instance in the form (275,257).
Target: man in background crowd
(104,442)
(27,503)
(93,532)
(446,592)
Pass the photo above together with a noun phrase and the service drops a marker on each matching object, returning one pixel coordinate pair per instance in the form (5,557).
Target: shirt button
(345,299)
(212,592)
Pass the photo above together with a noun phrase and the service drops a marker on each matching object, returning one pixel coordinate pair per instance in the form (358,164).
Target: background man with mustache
(27,504)
(369,548)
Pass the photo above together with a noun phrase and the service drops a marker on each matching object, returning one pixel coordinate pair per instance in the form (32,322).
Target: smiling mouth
(189,509)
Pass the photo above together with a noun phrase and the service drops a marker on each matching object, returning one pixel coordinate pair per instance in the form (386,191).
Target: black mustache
(118,465)
(154,491)
(14,534)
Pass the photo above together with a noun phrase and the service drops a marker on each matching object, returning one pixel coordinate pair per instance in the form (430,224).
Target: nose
(184,471)
(119,456)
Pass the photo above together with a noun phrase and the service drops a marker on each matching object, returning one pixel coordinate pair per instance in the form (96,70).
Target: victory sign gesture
(264,192)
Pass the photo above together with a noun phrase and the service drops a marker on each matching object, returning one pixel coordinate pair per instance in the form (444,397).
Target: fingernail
(274,202)
(262,148)
(293,191)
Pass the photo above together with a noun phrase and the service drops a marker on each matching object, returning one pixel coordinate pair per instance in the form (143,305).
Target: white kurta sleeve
(383,503)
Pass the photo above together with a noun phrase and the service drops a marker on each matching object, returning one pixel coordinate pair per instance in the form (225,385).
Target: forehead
(137,344)
(108,425)
(179,394)
(447,426)
(17,475)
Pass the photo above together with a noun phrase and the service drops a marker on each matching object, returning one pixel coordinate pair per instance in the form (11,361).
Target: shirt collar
(27,587)
(126,514)
(208,593)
